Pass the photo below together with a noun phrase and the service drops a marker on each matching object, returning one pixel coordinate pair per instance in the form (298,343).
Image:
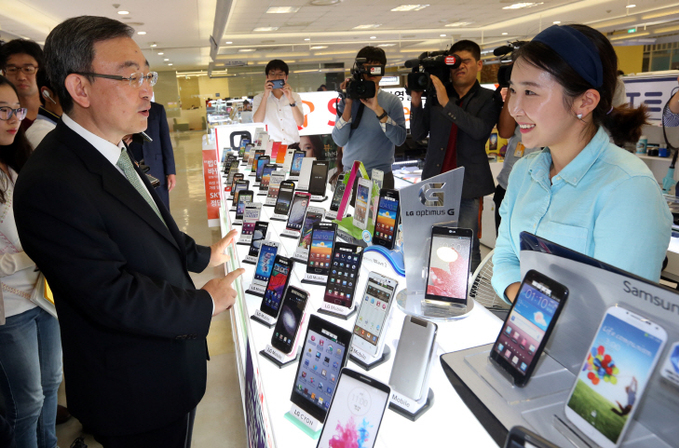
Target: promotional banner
(212,191)
(652,90)
(424,205)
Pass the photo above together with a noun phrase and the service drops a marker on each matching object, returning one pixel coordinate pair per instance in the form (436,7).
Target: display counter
(266,388)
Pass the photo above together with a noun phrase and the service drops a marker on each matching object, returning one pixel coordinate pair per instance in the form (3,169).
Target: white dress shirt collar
(110,151)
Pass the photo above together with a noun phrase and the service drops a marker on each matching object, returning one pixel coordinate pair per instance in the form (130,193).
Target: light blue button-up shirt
(605,204)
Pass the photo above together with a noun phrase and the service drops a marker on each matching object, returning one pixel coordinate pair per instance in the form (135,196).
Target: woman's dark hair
(69,48)
(623,122)
(16,154)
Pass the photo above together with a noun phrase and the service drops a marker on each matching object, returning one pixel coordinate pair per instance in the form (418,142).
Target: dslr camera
(359,88)
(437,63)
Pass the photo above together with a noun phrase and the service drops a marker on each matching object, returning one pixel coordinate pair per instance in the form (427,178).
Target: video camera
(359,88)
(437,63)
(505,71)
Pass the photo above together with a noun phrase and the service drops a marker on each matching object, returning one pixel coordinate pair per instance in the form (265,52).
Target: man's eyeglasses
(7,112)
(135,79)
(27,69)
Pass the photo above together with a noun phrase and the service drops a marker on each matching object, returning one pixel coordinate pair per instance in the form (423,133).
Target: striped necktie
(125,164)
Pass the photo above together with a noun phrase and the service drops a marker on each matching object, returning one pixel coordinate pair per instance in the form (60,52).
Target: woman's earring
(579,116)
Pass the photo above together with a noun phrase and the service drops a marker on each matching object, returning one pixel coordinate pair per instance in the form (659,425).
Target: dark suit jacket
(158,154)
(133,325)
(475,119)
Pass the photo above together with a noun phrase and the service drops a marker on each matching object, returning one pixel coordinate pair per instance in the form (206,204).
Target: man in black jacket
(459,124)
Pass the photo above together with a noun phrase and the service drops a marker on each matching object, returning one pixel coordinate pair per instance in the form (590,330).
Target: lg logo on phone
(431,194)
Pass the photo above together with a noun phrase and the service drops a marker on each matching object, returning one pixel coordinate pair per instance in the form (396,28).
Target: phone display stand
(249,259)
(348,230)
(330,215)
(368,362)
(256,289)
(278,357)
(262,193)
(244,240)
(415,305)
(301,255)
(318,198)
(315,279)
(278,217)
(264,319)
(290,233)
(338,311)
(237,222)
(309,425)
(270,202)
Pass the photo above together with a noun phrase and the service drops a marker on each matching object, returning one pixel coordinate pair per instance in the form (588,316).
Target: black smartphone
(296,166)
(343,275)
(275,288)
(241,149)
(261,161)
(267,256)
(358,398)
(449,264)
(289,319)
(320,252)
(298,207)
(258,235)
(528,325)
(253,165)
(236,178)
(319,178)
(240,185)
(285,192)
(337,195)
(266,176)
(386,224)
(313,215)
(227,163)
(520,437)
(244,197)
(326,346)
(278,83)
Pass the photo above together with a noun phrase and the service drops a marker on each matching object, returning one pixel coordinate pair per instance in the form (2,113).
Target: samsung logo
(652,299)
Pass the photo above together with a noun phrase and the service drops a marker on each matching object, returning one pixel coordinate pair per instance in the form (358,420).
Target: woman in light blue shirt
(580,191)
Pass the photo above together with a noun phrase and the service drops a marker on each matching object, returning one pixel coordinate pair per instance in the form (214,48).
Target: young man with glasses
(459,125)
(278,106)
(20,60)
(133,325)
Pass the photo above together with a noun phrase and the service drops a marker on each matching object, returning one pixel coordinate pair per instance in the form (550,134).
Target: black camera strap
(359,115)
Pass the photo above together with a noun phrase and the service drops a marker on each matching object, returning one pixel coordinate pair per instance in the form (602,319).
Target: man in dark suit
(157,154)
(133,324)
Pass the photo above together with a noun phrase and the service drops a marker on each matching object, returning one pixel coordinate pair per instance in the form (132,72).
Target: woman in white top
(30,346)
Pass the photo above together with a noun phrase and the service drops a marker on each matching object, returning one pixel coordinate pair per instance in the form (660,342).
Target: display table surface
(448,422)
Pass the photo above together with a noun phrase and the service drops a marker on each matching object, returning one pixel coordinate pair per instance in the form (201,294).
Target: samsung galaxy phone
(386,224)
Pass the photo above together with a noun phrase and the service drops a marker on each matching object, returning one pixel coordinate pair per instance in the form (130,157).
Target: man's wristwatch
(384,114)
(293,104)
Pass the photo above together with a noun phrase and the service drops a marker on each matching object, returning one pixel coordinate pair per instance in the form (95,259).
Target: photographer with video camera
(369,136)
(459,118)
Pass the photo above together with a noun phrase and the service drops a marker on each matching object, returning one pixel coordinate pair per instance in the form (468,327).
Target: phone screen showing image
(240,186)
(267,254)
(274,185)
(361,209)
(343,275)
(322,241)
(266,176)
(374,310)
(385,226)
(243,198)
(258,235)
(275,288)
(448,273)
(284,198)
(263,160)
(309,221)
(337,196)
(297,210)
(289,319)
(296,166)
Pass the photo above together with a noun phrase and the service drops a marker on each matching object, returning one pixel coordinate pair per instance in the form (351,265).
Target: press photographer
(459,122)
(369,135)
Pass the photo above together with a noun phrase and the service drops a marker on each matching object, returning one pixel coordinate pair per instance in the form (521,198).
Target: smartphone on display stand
(338,193)
(252,164)
(266,176)
(413,357)
(240,185)
(319,178)
(261,162)
(320,251)
(274,185)
(388,214)
(373,313)
(449,265)
(343,275)
(289,320)
(296,166)
(363,188)
(529,323)
(275,288)
(324,355)
(313,215)
(258,235)
(284,198)
(236,178)
(611,382)
(267,255)
(520,437)
(243,198)
(300,202)
(356,411)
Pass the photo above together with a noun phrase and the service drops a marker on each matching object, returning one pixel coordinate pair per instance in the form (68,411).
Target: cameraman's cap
(576,49)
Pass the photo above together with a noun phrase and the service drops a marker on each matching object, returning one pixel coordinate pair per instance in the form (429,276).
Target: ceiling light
(325,2)
(409,8)
(307,39)
(166,59)
(504,34)
(522,5)
(228,42)
(141,33)
(631,6)
(556,22)
(631,36)
(154,45)
(170,63)
(122,13)
(373,37)
(318,47)
(455,24)
(386,45)
(442,35)
(282,9)
(246,50)
(265,29)
(367,27)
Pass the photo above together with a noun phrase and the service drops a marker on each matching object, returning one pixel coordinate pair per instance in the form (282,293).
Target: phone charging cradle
(339,311)
(308,424)
(250,259)
(278,217)
(278,357)
(256,289)
(265,320)
(315,279)
(318,198)
(368,362)
(290,233)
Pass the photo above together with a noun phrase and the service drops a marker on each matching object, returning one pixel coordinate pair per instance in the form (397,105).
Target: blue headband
(576,49)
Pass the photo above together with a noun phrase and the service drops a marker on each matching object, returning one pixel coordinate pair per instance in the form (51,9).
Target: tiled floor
(219,417)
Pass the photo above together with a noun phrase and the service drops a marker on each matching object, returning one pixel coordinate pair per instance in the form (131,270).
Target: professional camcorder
(437,63)
(359,88)
(505,71)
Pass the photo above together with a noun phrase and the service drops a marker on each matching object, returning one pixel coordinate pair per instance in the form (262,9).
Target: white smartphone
(375,307)
(362,203)
(413,357)
(613,376)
